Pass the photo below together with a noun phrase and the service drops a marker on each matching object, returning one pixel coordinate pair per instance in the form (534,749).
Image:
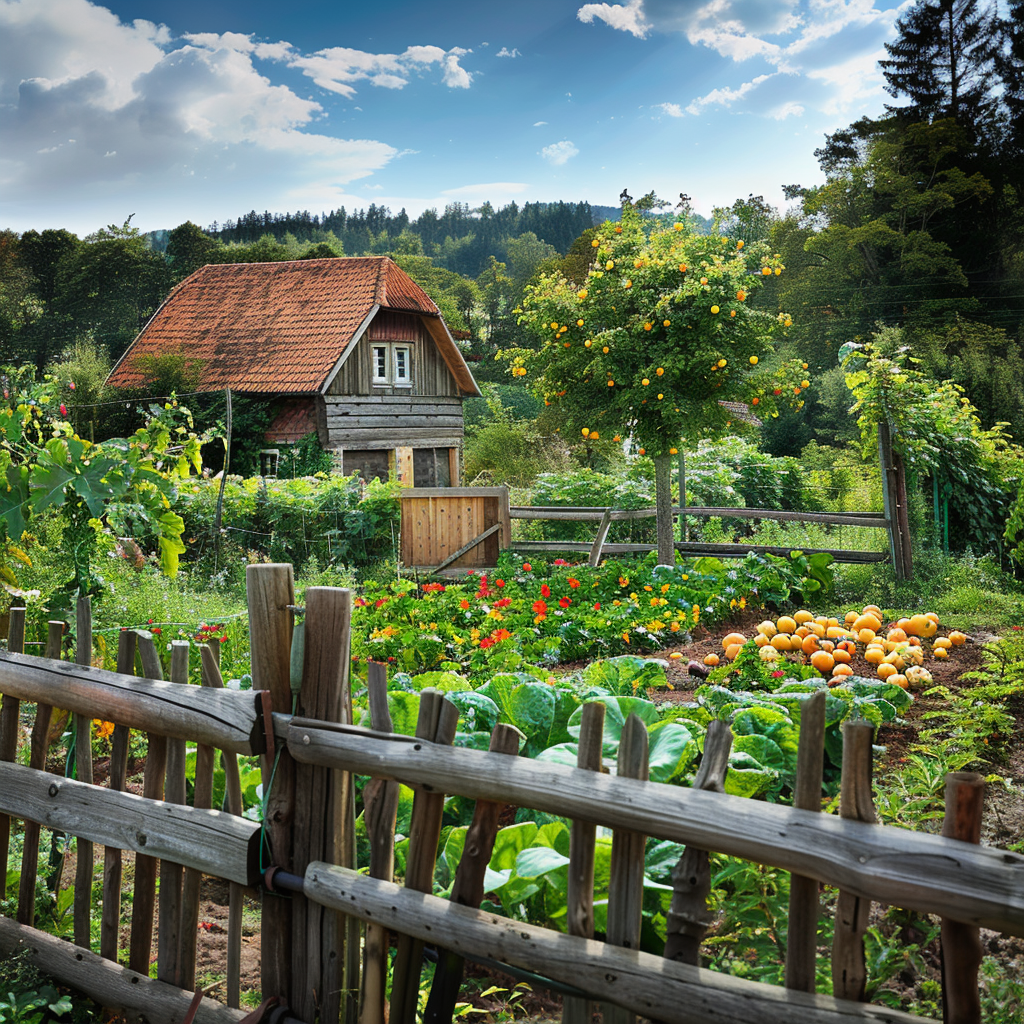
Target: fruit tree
(657,340)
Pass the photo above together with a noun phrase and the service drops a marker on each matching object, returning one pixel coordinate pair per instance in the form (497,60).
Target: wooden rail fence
(315,901)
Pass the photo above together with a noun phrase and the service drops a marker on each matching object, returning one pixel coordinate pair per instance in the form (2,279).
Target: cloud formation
(559,153)
(92,108)
(821,53)
(506,52)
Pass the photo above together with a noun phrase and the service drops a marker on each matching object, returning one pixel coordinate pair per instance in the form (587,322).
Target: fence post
(9,734)
(802,937)
(626,882)
(849,974)
(961,945)
(84,865)
(891,500)
(270,592)
(321,829)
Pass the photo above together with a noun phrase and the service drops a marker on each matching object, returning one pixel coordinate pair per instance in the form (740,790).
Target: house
(350,348)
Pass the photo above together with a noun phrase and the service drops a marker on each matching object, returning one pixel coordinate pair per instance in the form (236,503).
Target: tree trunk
(663,502)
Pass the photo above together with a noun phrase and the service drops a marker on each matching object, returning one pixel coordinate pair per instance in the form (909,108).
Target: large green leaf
(627,675)
(532,711)
(617,710)
(14,501)
(776,726)
(405,710)
(477,712)
(746,776)
(446,682)
(671,750)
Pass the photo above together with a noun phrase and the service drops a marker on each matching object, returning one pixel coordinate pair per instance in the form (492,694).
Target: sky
(202,111)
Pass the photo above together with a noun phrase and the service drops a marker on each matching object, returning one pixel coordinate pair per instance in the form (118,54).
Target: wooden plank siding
(438,521)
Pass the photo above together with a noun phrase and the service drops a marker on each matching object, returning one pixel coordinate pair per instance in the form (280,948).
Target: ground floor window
(431,467)
(373,464)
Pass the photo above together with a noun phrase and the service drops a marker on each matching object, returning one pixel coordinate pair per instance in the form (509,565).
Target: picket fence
(326,929)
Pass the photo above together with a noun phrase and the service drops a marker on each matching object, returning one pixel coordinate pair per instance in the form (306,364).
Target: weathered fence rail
(308,868)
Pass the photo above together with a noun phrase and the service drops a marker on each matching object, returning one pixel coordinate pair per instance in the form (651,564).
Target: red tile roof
(274,327)
(296,417)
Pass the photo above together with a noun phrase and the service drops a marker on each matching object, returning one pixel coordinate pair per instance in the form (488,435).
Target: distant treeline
(462,237)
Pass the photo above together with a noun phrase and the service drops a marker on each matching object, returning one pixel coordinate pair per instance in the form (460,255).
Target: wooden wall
(436,522)
(392,421)
(430,374)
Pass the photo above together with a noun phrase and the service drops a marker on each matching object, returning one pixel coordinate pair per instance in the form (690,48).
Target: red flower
(503,602)
(499,583)
(540,607)
(778,674)
(500,634)
(380,603)
(486,642)
(564,602)
(574,583)
(560,561)
(527,567)
(157,630)
(433,588)
(471,572)
(464,604)
(597,606)
(63,409)
(545,590)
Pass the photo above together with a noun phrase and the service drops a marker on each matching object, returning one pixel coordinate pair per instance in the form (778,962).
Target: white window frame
(377,351)
(399,379)
(391,376)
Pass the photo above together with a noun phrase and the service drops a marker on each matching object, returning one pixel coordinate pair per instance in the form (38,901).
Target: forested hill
(462,237)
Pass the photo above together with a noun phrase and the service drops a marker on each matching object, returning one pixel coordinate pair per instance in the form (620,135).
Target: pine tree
(944,62)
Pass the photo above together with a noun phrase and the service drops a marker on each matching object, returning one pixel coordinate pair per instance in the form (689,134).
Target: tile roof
(271,327)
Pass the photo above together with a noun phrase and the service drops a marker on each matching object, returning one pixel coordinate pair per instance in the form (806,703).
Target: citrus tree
(658,341)
(122,486)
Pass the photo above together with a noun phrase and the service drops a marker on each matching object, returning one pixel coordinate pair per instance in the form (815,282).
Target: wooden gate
(454,527)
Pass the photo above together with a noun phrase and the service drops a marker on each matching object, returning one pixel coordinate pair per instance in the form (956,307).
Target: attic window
(392,364)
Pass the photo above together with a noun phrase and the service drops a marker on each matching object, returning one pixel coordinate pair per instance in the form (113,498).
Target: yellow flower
(665,587)
(582,293)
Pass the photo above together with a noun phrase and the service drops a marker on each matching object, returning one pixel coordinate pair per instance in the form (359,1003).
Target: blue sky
(204,110)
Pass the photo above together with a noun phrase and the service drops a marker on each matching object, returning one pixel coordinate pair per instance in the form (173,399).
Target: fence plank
(224,719)
(110,985)
(582,835)
(210,655)
(646,984)
(140,944)
(169,935)
(602,535)
(110,918)
(961,944)
(856,803)
(270,591)
(690,548)
(437,723)
(468,887)
(38,747)
(915,870)
(84,859)
(9,714)
(802,935)
(688,916)
(626,884)
(380,802)
(210,841)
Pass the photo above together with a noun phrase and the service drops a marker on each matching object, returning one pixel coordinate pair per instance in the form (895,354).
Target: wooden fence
(315,901)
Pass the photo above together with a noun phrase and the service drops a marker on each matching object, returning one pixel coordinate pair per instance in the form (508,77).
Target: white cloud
(672,109)
(624,17)
(725,97)
(559,153)
(487,190)
(506,52)
(338,68)
(538,124)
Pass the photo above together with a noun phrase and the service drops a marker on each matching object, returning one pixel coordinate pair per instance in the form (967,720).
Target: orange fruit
(865,636)
(711,659)
(801,631)
(941,653)
(899,680)
(782,642)
(842,670)
(851,618)
(760,639)
(957,637)
(942,641)
(769,653)
(827,645)
(874,656)
(767,628)
(809,644)
(842,657)
(896,634)
(733,638)
(786,624)
(874,609)
(802,616)
(867,621)
(847,645)
(823,661)
(932,616)
(885,670)
(733,650)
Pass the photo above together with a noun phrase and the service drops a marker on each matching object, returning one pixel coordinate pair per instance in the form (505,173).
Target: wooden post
(270,590)
(856,802)
(684,527)
(902,516)
(437,722)
(320,831)
(380,803)
(169,934)
(802,937)
(626,884)
(688,917)
(9,712)
(39,745)
(202,796)
(210,654)
(663,501)
(85,866)
(140,947)
(223,473)
(890,499)
(110,920)
(961,945)
(582,836)
(468,888)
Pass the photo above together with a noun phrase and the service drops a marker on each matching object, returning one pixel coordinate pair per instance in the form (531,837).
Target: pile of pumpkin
(898,652)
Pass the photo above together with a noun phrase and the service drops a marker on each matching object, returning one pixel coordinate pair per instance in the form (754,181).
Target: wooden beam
(479,538)
(916,870)
(649,985)
(214,843)
(111,986)
(221,718)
